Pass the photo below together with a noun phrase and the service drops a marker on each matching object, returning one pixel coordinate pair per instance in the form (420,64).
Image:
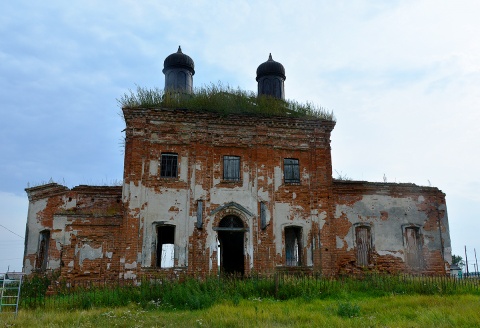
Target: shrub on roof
(222,100)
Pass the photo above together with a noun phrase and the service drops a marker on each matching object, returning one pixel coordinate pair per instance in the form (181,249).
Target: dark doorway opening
(165,255)
(231,238)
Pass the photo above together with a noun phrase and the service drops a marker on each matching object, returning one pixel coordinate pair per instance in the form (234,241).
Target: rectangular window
(231,168)
(413,248)
(363,242)
(169,166)
(293,246)
(165,255)
(263,215)
(42,255)
(291,170)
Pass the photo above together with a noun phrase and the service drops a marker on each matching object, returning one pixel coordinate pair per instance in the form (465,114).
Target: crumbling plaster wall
(201,140)
(67,214)
(388,209)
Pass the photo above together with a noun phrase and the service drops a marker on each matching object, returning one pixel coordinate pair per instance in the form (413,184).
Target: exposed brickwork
(394,207)
(111,232)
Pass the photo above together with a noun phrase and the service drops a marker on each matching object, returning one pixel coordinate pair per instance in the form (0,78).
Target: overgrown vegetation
(193,294)
(282,300)
(223,100)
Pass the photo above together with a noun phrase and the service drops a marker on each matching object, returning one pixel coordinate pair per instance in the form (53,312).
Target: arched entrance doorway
(231,238)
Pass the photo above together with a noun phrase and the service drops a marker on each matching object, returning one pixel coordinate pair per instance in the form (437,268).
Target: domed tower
(271,78)
(179,70)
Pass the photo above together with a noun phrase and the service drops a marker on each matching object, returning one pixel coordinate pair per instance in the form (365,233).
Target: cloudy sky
(402,77)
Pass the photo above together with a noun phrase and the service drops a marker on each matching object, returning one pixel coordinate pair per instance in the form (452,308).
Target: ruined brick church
(205,193)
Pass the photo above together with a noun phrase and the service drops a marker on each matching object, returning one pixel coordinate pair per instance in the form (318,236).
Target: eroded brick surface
(111,232)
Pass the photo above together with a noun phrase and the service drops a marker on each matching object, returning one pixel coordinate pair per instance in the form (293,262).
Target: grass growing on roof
(223,100)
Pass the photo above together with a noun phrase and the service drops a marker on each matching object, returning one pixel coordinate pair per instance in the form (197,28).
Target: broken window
(42,255)
(165,255)
(169,166)
(293,246)
(291,170)
(231,168)
(363,242)
(413,247)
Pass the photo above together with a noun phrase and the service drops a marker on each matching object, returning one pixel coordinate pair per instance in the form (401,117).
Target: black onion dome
(179,60)
(270,67)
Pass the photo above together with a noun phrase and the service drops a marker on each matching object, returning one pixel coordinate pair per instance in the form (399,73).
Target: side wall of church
(75,232)
(398,227)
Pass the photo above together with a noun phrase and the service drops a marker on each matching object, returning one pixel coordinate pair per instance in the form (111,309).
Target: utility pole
(466,260)
(475,251)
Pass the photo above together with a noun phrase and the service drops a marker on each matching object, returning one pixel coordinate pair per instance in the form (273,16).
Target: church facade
(205,193)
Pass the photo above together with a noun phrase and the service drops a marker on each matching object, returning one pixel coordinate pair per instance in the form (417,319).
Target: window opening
(200,214)
(42,256)
(169,166)
(263,215)
(231,168)
(363,241)
(293,247)
(291,170)
(165,256)
(414,247)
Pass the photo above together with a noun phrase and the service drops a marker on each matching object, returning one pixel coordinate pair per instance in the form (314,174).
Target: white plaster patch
(277,175)
(396,254)
(322,216)
(54,264)
(89,253)
(183,166)
(129,275)
(132,265)
(340,242)
(153,167)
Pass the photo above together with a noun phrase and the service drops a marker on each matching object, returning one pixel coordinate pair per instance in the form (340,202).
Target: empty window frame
(42,255)
(165,254)
(291,170)
(363,241)
(413,247)
(169,165)
(293,246)
(231,168)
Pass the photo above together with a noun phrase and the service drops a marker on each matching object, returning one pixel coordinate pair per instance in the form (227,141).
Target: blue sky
(402,77)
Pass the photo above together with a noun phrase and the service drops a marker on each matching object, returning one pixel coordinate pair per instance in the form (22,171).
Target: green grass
(193,294)
(222,100)
(387,311)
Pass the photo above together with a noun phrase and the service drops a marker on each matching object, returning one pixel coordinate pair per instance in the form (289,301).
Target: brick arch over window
(234,209)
